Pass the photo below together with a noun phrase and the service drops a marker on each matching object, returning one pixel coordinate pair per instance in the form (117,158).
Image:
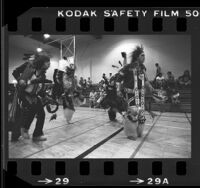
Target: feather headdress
(136,53)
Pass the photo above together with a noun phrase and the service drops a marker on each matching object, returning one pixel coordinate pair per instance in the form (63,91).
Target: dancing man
(132,78)
(30,77)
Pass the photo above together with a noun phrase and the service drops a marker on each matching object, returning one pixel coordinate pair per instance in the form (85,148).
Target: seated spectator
(158,70)
(81,81)
(160,81)
(171,89)
(89,82)
(92,98)
(100,83)
(84,83)
(184,80)
(170,81)
(101,95)
(105,80)
(170,76)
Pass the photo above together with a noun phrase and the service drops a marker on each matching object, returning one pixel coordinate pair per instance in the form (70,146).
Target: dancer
(112,101)
(68,90)
(69,87)
(30,77)
(133,79)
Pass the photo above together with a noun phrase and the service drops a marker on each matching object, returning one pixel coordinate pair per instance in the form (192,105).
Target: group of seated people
(184,81)
(85,83)
(169,85)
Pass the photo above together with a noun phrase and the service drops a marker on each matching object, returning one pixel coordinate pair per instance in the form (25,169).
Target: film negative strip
(83,144)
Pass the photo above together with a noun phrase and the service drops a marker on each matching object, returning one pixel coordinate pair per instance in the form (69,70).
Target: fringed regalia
(66,89)
(28,97)
(112,101)
(132,77)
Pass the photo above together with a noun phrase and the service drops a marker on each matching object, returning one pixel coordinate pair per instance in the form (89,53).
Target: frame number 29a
(157,181)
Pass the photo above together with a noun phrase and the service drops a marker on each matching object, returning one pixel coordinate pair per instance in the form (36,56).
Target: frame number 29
(61,181)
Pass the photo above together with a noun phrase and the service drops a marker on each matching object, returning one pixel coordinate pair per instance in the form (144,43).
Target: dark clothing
(28,113)
(64,82)
(31,103)
(170,82)
(113,101)
(25,72)
(84,84)
(68,102)
(81,82)
(112,114)
(58,76)
(184,79)
(17,72)
(158,71)
(127,76)
(111,90)
(57,90)
(14,126)
(66,87)
(70,72)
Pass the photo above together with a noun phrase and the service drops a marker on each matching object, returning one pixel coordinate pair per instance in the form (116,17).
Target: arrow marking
(46,181)
(138,181)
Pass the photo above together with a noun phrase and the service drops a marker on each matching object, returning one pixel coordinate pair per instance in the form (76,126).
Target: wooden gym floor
(92,135)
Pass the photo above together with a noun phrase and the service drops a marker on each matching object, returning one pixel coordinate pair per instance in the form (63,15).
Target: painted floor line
(90,150)
(188,118)
(145,137)
(174,127)
(65,140)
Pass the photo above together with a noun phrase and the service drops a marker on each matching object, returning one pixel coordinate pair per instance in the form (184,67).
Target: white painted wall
(171,52)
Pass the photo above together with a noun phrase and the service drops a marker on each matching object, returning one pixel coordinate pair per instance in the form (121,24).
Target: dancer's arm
(17,73)
(19,70)
(125,58)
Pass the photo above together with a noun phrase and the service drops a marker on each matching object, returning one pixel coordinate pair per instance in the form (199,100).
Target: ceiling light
(46,36)
(39,49)
(14,81)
